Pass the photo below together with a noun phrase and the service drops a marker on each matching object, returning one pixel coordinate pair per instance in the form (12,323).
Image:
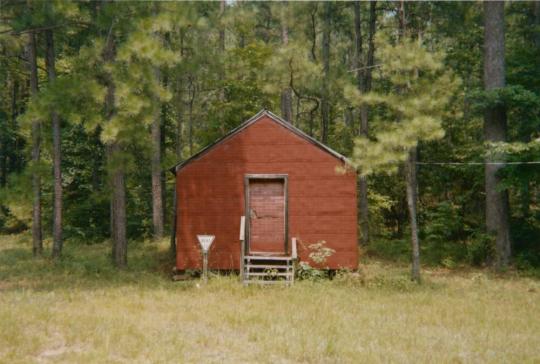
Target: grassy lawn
(82,310)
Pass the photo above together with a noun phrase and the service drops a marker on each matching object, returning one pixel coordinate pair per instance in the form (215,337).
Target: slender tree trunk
(537,23)
(164,120)
(411,179)
(402,19)
(497,205)
(179,122)
(221,48)
(157,191)
(364,85)
(116,168)
(180,105)
(4,148)
(4,155)
(371,48)
(37,237)
(286,93)
(358,64)
(297,115)
(313,32)
(190,121)
(13,143)
(119,207)
(57,153)
(325,104)
(362,180)
(172,245)
(412,197)
(157,180)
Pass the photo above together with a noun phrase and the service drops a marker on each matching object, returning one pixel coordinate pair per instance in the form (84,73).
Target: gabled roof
(251,121)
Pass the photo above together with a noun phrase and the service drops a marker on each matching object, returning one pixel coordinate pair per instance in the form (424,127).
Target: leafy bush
(525,236)
(319,253)
(306,272)
(480,249)
(394,249)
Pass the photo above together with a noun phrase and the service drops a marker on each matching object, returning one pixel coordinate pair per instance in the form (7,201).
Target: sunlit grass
(82,310)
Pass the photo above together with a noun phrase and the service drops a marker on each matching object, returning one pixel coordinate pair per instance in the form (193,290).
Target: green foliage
(305,271)
(170,64)
(393,250)
(419,90)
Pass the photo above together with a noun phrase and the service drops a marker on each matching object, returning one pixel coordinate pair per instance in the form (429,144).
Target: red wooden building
(285,183)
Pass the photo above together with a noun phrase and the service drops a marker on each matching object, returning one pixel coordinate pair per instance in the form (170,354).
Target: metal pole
(205,267)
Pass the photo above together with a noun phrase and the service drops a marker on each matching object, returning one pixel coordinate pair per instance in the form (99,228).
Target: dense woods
(436,104)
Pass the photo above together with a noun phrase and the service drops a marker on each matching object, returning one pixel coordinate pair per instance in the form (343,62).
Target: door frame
(275,176)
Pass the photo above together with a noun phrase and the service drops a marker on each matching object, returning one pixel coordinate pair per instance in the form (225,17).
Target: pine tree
(415,102)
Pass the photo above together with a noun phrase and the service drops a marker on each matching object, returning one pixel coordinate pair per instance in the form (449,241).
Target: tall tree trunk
(286,93)
(14,162)
(4,153)
(325,104)
(362,180)
(37,238)
(402,19)
(358,64)
(313,32)
(179,122)
(221,48)
(172,244)
(116,170)
(412,197)
(157,191)
(164,119)
(363,76)
(537,23)
(497,205)
(4,148)
(57,153)
(180,104)
(370,52)
(411,178)
(157,180)
(119,206)
(190,113)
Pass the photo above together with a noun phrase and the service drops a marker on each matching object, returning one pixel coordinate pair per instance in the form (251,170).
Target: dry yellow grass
(81,310)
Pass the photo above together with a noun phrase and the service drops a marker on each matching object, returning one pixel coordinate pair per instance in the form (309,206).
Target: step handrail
(242,246)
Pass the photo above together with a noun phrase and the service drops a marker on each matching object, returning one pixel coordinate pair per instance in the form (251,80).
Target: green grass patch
(82,310)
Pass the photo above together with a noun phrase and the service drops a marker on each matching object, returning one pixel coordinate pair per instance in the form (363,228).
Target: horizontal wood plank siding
(210,196)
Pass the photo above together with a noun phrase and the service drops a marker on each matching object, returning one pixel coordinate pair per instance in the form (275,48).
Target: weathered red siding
(210,196)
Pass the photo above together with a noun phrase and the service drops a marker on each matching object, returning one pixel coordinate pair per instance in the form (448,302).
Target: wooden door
(267,215)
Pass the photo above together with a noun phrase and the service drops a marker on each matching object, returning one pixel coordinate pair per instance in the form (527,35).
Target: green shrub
(480,249)
(395,249)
